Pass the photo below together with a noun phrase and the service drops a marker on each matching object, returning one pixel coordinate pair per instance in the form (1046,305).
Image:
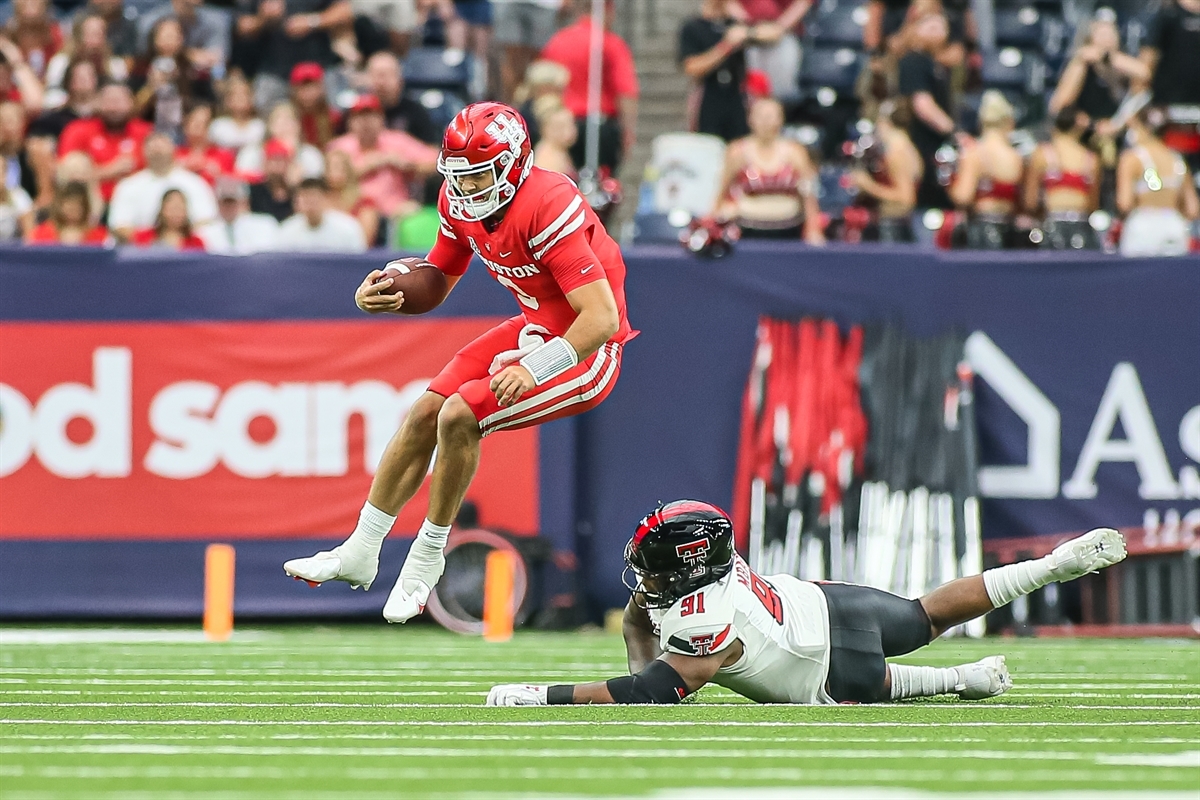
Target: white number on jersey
(526,300)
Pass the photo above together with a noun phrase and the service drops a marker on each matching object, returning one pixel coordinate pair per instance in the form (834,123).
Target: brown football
(423,284)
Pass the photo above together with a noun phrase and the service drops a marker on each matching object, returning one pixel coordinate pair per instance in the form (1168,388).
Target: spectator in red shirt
(774,46)
(618,89)
(70,220)
(172,229)
(18,82)
(34,31)
(389,165)
(319,122)
(197,153)
(113,138)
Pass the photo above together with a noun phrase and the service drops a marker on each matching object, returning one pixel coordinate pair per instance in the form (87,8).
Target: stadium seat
(1018,27)
(685,170)
(1011,68)
(429,68)
(442,106)
(139,7)
(833,193)
(837,24)
(1135,30)
(654,229)
(835,68)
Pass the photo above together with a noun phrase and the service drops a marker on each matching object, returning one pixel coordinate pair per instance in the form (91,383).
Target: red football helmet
(484,138)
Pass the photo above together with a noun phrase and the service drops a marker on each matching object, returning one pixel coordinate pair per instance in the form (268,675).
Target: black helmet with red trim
(678,549)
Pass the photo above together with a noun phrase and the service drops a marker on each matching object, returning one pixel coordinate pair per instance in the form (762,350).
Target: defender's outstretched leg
(967,598)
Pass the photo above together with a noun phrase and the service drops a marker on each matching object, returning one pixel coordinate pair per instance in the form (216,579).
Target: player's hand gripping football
(370,298)
(511,383)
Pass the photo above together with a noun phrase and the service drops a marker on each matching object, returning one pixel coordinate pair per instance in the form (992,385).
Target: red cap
(758,83)
(366,102)
(275,148)
(307,72)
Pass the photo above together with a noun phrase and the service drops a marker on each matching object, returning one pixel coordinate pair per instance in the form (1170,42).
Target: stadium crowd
(292,124)
(272,124)
(1016,128)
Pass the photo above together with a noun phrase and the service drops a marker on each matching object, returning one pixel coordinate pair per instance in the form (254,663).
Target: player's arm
(596,321)
(559,237)
(641,645)
(665,681)
(447,255)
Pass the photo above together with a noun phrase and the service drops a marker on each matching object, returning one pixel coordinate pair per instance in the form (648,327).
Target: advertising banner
(177,430)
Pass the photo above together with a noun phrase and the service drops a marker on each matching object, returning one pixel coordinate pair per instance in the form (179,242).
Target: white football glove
(516,694)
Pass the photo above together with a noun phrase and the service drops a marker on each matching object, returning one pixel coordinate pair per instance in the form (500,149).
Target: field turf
(373,711)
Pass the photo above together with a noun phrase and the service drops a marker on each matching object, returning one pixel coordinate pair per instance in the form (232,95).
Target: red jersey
(549,243)
(149,237)
(210,163)
(93,137)
(47,233)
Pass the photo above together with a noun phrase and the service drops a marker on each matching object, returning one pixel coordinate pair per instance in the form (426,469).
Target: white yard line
(1187,759)
(591,723)
(377,735)
(846,709)
(27,636)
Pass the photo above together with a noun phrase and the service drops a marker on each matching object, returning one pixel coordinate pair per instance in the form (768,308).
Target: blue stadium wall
(1088,403)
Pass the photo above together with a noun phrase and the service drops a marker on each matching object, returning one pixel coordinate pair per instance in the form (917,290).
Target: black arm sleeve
(658,683)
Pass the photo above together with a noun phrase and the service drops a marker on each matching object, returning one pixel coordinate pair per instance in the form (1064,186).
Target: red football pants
(579,389)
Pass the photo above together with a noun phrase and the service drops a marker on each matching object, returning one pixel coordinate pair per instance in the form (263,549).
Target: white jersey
(781,621)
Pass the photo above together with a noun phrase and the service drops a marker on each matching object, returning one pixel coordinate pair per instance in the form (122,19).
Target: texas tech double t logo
(693,553)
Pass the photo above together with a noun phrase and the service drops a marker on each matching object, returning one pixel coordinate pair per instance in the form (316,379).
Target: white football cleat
(987,677)
(1093,551)
(420,573)
(407,600)
(354,565)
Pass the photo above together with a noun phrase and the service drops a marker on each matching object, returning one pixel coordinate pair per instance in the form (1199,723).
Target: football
(423,284)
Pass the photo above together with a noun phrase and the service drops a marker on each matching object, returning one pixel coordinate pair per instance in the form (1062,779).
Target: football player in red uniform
(560,356)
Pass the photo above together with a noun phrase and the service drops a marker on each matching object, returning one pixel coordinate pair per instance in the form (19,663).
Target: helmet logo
(693,553)
(505,129)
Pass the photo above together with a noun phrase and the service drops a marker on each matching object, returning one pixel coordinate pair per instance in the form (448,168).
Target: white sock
(1007,583)
(922,681)
(432,536)
(373,526)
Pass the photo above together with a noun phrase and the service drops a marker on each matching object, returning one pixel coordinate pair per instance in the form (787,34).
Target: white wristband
(550,360)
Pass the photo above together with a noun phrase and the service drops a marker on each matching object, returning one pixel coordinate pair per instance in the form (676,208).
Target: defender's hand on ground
(511,383)
(516,694)
(368,296)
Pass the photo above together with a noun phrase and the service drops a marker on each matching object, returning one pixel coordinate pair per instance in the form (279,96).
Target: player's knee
(422,418)
(456,419)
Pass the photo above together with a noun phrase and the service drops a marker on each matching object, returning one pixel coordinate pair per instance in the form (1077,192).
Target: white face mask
(482,203)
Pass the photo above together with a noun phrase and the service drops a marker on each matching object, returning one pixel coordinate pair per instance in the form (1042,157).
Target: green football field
(374,711)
